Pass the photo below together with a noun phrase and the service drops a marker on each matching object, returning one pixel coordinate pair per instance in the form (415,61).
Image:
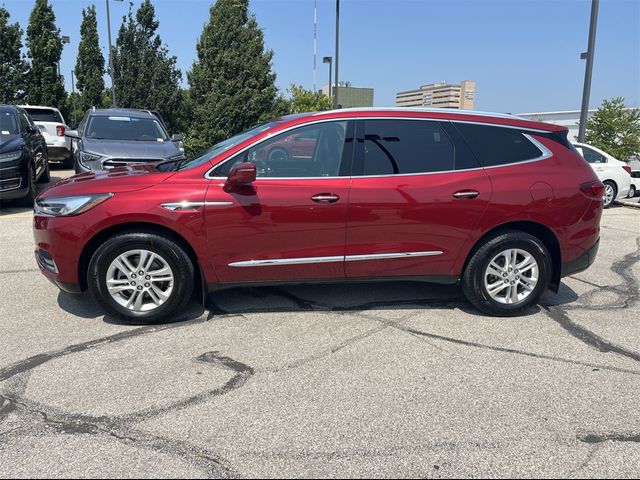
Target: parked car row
(503,206)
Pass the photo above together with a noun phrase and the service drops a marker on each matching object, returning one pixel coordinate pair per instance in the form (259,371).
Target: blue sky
(523,54)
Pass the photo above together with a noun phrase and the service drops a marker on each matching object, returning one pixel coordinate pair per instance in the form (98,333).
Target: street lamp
(588,55)
(113,84)
(65,40)
(337,91)
(328,60)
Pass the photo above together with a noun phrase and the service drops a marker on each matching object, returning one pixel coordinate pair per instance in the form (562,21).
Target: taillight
(593,189)
(627,169)
(60,130)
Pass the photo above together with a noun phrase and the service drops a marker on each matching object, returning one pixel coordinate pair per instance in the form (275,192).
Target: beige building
(439,95)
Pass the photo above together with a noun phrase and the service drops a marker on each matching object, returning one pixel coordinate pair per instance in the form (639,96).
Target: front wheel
(141,277)
(610,193)
(508,274)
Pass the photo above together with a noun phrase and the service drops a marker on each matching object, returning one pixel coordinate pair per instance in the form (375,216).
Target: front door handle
(325,198)
(466,194)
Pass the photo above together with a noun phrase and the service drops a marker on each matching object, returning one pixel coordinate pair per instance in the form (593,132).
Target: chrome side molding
(340,258)
(193,205)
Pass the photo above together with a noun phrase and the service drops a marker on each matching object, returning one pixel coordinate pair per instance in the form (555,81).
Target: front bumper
(581,263)
(13,180)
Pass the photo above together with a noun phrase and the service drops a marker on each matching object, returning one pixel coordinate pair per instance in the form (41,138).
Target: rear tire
(632,191)
(517,285)
(160,294)
(610,193)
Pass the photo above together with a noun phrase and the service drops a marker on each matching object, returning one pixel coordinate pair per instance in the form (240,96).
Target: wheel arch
(538,230)
(139,227)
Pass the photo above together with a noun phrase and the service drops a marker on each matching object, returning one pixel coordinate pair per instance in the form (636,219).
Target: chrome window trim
(336,258)
(546,153)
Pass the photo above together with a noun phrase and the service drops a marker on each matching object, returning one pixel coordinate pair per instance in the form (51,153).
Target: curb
(628,203)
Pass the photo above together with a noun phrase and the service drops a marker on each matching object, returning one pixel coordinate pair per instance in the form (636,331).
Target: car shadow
(360,297)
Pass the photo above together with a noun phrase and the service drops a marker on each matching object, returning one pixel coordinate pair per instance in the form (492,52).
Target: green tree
(145,74)
(44,49)
(89,68)
(232,84)
(303,100)
(615,129)
(13,68)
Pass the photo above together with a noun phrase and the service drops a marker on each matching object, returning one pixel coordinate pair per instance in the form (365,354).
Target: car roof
(130,112)
(430,113)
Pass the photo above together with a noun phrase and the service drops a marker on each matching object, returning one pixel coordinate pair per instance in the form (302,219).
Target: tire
(67,163)
(477,279)
(278,154)
(169,254)
(632,191)
(29,198)
(610,187)
(45,177)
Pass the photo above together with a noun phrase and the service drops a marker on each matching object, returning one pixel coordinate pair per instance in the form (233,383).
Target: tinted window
(8,124)
(406,146)
(24,122)
(310,151)
(119,127)
(44,115)
(592,156)
(497,145)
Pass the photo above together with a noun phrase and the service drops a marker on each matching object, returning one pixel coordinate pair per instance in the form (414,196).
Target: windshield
(116,127)
(44,115)
(8,124)
(223,146)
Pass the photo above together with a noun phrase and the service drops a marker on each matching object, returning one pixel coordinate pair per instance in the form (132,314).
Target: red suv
(502,205)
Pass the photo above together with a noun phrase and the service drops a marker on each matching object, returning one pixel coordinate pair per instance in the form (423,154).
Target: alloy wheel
(511,276)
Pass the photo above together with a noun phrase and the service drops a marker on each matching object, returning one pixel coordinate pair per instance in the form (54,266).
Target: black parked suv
(115,137)
(23,156)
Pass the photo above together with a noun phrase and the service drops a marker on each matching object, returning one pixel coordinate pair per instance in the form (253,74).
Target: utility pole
(315,36)
(588,55)
(336,89)
(113,84)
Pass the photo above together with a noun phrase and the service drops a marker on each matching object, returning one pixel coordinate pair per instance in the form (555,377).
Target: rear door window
(592,156)
(397,147)
(494,145)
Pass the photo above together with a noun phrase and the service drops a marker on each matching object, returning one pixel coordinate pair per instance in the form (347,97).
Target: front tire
(141,277)
(29,198)
(610,193)
(508,274)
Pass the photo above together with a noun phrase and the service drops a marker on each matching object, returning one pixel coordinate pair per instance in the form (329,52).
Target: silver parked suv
(108,138)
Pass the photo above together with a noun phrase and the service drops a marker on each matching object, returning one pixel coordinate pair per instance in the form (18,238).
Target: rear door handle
(325,198)
(466,194)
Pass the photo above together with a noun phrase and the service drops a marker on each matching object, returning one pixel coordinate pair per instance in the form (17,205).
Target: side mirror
(177,137)
(240,176)
(71,134)
(33,129)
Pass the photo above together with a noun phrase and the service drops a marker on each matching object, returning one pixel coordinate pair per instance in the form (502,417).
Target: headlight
(67,206)
(8,157)
(88,157)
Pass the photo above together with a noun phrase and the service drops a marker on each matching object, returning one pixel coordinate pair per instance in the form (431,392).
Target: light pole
(337,90)
(113,84)
(65,40)
(588,55)
(328,60)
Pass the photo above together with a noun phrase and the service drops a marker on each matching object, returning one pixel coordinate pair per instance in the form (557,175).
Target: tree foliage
(303,100)
(232,84)
(615,129)
(44,49)
(145,75)
(13,67)
(89,68)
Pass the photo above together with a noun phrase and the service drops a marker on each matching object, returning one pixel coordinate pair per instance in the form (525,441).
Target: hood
(132,150)
(10,143)
(120,179)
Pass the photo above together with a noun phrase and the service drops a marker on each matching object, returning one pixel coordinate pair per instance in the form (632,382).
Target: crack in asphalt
(609,437)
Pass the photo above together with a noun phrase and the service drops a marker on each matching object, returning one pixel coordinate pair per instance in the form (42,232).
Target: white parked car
(53,127)
(615,175)
(635,183)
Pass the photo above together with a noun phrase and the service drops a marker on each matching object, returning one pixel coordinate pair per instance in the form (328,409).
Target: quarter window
(406,146)
(592,156)
(310,151)
(498,145)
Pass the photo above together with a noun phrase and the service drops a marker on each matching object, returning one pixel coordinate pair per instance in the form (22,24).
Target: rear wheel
(632,191)
(507,274)
(610,193)
(141,277)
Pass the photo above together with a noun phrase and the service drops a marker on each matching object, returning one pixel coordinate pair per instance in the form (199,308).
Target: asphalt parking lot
(383,380)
